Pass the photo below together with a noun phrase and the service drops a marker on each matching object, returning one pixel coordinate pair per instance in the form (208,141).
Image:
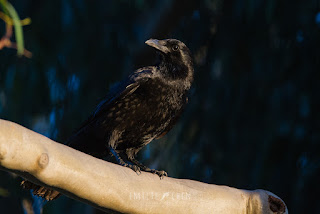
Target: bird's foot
(142,167)
(135,168)
(131,166)
(138,170)
(160,173)
(122,163)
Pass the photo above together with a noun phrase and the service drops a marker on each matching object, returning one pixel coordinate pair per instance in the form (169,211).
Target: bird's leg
(131,158)
(122,162)
(117,156)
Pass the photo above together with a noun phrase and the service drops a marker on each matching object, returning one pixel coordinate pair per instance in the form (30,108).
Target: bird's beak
(158,44)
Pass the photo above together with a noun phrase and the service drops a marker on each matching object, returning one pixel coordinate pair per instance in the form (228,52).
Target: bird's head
(176,61)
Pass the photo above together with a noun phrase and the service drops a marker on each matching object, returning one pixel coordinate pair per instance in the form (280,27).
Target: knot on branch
(3,153)
(43,160)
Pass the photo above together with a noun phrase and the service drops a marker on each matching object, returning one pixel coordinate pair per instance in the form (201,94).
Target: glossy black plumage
(141,108)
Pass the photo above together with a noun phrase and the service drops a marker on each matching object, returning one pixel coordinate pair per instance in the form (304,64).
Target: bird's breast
(145,114)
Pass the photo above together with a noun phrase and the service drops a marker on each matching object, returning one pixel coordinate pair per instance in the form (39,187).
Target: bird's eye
(175,47)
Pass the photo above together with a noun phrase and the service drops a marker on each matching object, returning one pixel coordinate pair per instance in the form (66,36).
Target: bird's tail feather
(43,192)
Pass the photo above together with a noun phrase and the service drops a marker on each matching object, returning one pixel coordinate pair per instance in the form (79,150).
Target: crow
(143,107)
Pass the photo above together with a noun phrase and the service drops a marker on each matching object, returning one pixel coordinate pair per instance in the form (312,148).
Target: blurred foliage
(4,192)
(11,18)
(253,121)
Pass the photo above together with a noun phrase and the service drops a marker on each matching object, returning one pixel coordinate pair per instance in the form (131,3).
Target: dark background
(253,119)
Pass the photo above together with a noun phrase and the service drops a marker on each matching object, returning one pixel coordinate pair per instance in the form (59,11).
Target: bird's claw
(160,173)
(136,169)
(122,163)
(132,166)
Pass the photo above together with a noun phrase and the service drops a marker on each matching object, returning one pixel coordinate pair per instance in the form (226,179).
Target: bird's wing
(118,92)
(124,89)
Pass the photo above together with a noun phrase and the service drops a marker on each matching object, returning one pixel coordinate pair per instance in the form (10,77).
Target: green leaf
(17,27)
(8,8)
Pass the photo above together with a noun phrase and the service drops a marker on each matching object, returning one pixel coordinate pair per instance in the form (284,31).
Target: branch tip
(276,205)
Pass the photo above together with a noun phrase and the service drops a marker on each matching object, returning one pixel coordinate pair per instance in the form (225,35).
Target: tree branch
(112,187)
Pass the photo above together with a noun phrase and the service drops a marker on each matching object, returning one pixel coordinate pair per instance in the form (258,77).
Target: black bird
(143,107)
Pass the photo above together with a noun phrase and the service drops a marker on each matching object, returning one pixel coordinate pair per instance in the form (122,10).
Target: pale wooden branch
(112,187)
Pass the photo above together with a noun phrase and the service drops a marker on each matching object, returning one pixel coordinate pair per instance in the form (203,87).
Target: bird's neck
(177,72)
